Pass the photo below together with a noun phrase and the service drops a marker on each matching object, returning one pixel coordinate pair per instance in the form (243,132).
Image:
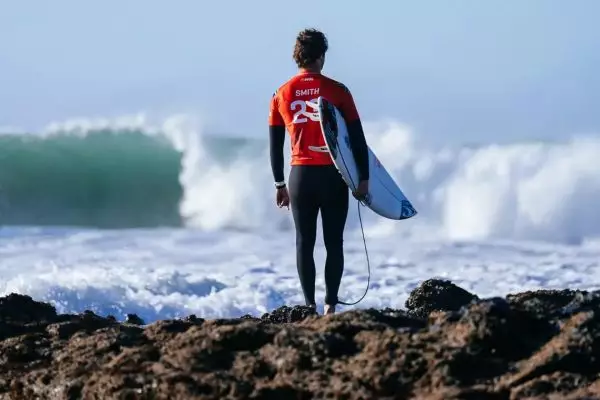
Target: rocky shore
(447,344)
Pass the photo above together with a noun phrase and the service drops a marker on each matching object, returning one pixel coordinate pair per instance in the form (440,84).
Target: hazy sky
(454,70)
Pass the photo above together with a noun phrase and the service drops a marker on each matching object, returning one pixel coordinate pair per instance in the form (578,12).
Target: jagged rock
(134,320)
(435,295)
(556,303)
(17,308)
(449,344)
(289,314)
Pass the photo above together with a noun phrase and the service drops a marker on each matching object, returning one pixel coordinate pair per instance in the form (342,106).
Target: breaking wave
(132,173)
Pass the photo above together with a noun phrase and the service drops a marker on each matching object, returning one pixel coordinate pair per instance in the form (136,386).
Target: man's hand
(362,190)
(282,198)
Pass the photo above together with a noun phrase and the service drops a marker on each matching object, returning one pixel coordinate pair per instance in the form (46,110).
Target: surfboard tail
(408,211)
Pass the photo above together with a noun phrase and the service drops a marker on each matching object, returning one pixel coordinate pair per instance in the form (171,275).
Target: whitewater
(159,218)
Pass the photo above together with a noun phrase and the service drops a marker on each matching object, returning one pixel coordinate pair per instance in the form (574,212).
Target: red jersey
(288,107)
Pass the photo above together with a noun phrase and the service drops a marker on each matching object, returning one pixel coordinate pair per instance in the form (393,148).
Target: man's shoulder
(282,87)
(337,84)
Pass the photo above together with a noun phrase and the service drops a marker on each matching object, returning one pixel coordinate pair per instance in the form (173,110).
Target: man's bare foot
(328,309)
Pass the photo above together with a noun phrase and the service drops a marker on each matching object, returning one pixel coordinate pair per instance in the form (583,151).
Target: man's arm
(359,148)
(276,141)
(358,143)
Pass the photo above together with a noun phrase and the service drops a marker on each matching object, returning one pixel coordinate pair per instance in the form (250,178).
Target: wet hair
(311,44)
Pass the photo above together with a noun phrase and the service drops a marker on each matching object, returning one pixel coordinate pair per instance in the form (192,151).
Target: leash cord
(358,203)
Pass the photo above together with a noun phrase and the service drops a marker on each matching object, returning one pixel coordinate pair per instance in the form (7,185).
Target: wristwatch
(280,185)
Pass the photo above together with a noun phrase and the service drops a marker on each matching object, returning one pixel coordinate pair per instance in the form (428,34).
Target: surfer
(314,182)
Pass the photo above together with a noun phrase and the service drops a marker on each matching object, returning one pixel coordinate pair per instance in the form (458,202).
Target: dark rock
(553,303)
(287,314)
(193,319)
(134,320)
(437,295)
(448,345)
(19,308)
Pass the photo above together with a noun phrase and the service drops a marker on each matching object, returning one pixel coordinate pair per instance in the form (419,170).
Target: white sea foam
(166,273)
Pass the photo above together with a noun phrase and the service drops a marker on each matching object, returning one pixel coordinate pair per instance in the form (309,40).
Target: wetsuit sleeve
(355,134)
(276,140)
(359,148)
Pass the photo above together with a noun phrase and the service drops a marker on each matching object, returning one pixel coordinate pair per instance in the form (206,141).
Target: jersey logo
(319,149)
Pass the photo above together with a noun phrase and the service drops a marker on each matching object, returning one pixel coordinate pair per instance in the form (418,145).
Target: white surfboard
(385,196)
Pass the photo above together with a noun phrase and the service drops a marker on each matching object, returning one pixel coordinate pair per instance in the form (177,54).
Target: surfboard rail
(385,196)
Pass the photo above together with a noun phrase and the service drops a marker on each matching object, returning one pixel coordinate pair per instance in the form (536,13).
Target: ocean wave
(126,173)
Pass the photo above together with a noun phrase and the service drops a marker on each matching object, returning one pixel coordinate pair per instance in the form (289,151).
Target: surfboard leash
(358,203)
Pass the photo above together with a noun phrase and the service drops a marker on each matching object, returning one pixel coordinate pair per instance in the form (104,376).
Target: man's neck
(309,70)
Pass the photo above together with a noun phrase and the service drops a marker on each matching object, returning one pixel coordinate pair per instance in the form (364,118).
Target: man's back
(289,107)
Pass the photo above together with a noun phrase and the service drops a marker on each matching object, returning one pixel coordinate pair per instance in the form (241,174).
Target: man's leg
(334,212)
(305,211)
